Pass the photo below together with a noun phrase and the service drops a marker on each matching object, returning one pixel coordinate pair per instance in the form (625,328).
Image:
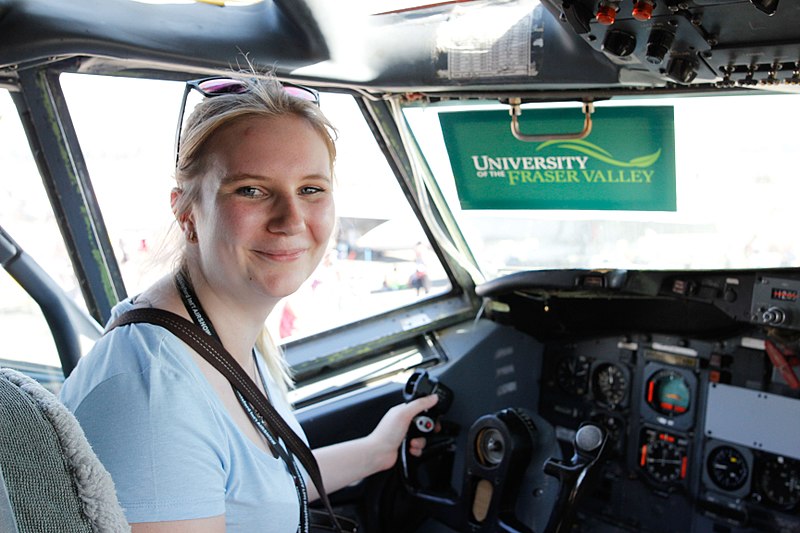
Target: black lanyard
(199,316)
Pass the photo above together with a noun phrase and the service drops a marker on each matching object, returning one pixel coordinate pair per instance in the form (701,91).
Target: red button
(643,10)
(606,15)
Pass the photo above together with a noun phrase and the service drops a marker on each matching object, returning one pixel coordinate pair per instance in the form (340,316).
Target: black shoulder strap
(215,353)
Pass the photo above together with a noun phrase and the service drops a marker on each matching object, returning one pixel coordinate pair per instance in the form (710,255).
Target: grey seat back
(7,522)
(54,481)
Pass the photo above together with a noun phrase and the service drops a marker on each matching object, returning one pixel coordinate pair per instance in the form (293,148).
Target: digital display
(785,295)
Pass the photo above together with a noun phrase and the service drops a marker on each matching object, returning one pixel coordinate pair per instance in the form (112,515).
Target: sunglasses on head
(220,85)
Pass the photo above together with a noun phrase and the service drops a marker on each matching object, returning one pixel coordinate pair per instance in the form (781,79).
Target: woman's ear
(174,200)
(174,195)
(184,219)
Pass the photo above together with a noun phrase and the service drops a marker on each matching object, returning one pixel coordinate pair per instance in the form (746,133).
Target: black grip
(422,384)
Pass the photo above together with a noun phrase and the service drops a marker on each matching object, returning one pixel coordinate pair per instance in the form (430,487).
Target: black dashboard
(694,377)
(703,432)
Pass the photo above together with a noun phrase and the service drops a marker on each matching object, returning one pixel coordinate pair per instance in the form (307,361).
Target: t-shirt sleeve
(153,429)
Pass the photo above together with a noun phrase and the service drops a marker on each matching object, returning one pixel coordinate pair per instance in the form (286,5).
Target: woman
(254,202)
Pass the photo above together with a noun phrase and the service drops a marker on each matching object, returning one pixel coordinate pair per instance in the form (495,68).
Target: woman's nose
(286,216)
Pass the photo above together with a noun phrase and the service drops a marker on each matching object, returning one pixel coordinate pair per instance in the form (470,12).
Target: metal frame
(55,146)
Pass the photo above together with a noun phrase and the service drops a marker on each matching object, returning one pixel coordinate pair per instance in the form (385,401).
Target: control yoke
(500,448)
(419,385)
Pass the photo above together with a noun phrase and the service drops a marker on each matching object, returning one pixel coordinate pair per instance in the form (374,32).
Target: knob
(619,43)
(588,438)
(658,45)
(682,69)
(774,316)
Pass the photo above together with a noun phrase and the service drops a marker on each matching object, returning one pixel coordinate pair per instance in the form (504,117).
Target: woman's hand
(346,462)
(387,436)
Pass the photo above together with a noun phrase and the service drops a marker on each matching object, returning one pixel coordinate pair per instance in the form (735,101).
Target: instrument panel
(703,432)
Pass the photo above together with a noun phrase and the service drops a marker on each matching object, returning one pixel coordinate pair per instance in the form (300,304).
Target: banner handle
(516,112)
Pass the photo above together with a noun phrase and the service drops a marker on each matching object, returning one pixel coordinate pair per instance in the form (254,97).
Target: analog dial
(663,456)
(727,468)
(572,374)
(663,461)
(780,482)
(610,384)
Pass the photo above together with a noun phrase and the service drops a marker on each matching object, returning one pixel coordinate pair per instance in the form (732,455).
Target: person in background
(255,207)
(419,278)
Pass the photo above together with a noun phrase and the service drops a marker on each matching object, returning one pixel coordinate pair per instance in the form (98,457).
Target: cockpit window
(734,196)
(380,259)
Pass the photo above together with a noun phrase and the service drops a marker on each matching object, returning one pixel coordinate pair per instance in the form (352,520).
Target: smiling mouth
(281,255)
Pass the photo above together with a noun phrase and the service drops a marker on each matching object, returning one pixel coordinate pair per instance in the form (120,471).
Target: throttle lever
(577,475)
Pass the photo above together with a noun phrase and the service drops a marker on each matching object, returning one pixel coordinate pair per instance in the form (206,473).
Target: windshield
(735,181)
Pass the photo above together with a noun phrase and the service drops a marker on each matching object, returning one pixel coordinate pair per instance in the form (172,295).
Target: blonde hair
(263,97)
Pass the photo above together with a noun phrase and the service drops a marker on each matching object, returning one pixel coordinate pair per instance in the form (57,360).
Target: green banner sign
(626,163)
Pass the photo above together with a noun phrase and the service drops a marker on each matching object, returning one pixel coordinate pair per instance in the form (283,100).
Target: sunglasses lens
(217,86)
(300,92)
(222,86)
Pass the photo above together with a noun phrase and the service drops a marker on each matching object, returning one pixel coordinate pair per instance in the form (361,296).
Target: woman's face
(265,212)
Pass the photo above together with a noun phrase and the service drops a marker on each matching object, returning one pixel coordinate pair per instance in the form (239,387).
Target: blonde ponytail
(276,362)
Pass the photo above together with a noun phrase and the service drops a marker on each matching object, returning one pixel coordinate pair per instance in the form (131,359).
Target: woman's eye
(249,192)
(310,190)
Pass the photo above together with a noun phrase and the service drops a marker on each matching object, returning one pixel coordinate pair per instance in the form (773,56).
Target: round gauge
(727,468)
(572,374)
(663,460)
(668,393)
(663,456)
(780,482)
(610,384)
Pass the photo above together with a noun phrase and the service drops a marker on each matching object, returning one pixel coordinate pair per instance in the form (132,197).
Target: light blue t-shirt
(172,449)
